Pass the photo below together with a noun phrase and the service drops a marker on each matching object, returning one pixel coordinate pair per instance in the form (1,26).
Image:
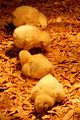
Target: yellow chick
(46,93)
(28,15)
(28,36)
(34,66)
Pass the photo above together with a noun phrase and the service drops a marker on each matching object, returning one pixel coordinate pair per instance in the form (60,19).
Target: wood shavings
(63,52)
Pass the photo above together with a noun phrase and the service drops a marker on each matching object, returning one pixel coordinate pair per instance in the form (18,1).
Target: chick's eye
(39,25)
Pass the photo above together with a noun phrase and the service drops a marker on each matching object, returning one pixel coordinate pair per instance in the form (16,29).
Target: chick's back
(24,15)
(28,15)
(26,36)
(49,85)
(38,66)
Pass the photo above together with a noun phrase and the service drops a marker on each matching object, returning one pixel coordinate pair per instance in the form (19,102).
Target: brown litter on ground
(64,53)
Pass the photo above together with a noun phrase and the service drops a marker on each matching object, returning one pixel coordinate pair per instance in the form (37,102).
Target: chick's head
(42,20)
(45,39)
(24,56)
(43,103)
(60,93)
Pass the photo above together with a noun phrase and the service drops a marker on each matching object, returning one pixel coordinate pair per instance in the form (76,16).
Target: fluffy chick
(46,93)
(34,66)
(28,36)
(28,15)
